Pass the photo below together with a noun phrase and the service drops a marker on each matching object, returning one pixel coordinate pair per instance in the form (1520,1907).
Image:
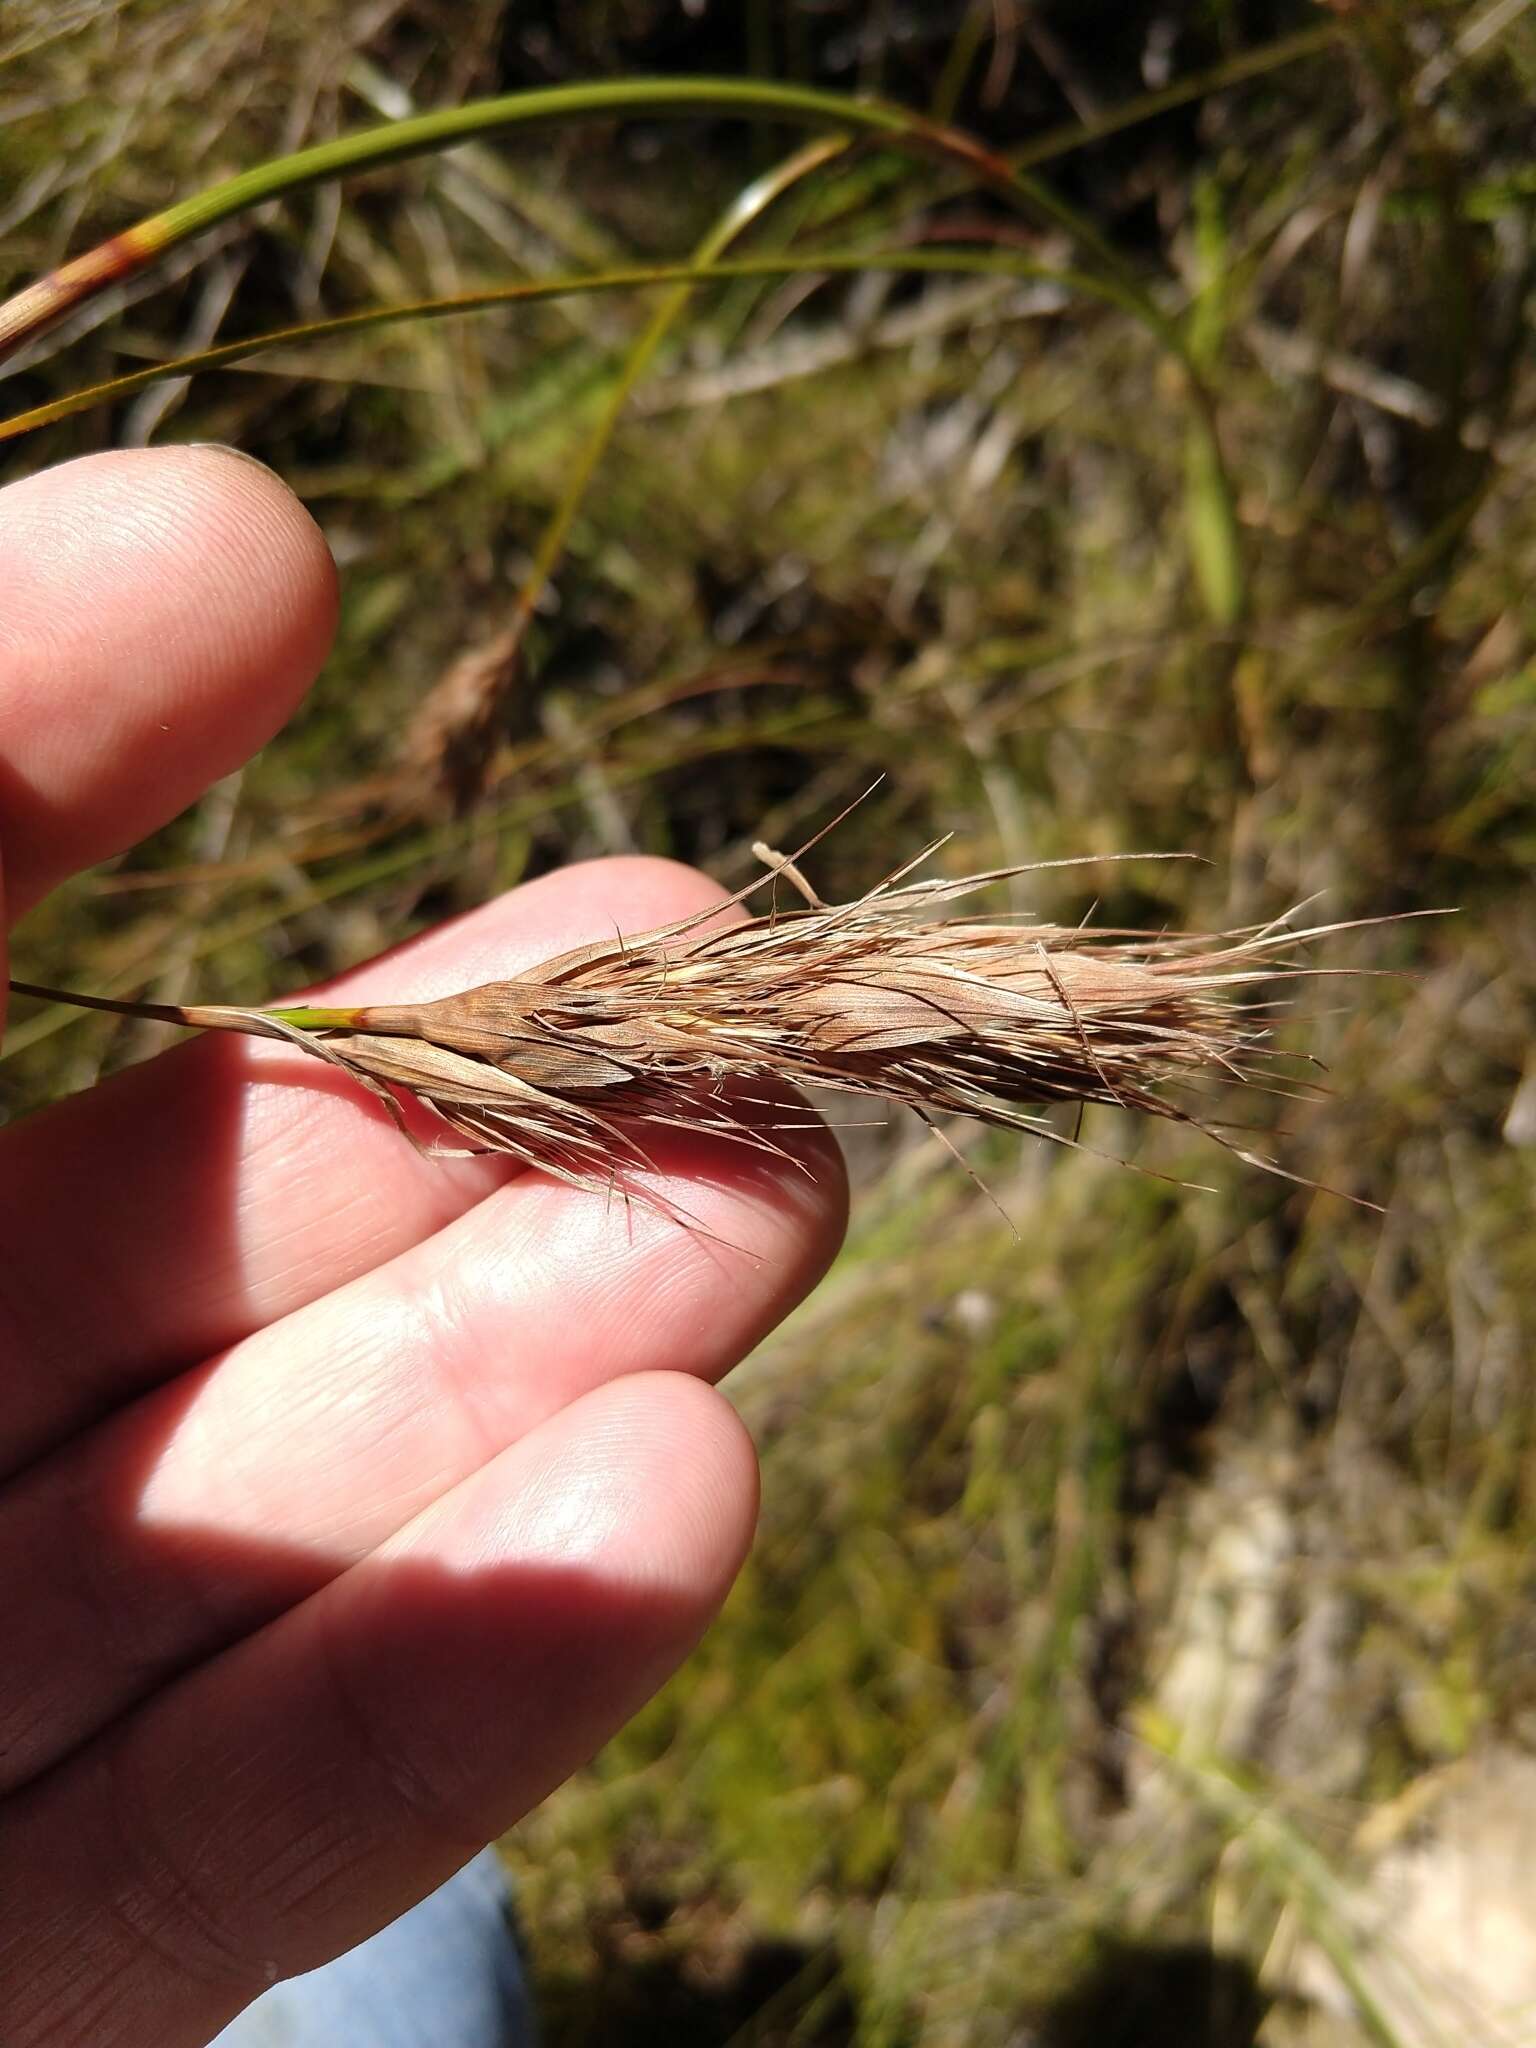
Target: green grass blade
(41,305)
(32,311)
(929,262)
(1215,542)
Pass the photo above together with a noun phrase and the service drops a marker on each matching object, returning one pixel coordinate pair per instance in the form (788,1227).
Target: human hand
(348,1500)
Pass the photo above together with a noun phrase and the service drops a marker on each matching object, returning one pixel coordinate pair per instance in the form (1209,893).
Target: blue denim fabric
(444,1975)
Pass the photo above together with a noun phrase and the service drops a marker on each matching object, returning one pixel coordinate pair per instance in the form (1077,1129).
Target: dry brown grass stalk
(697,1026)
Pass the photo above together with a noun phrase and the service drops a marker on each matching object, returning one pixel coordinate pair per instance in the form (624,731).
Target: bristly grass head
(568,1065)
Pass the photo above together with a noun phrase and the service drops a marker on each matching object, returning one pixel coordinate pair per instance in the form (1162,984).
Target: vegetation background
(1140,1646)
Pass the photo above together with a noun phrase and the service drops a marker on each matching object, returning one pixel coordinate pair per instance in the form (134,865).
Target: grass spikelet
(567,1065)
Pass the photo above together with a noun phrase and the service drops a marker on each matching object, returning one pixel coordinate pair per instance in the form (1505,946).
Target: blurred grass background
(1140,1646)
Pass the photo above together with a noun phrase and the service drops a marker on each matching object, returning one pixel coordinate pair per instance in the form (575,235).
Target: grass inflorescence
(568,1065)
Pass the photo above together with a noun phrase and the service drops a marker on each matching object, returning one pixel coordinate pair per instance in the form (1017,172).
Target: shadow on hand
(280,1803)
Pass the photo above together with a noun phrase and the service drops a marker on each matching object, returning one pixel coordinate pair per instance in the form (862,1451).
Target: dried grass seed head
(687,1027)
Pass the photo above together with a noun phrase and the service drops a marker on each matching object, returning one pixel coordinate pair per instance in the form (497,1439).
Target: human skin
(349,1499)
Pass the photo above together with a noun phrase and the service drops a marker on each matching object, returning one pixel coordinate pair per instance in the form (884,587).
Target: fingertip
(589,900)
(668,1436)
(270,507)
(165,610)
